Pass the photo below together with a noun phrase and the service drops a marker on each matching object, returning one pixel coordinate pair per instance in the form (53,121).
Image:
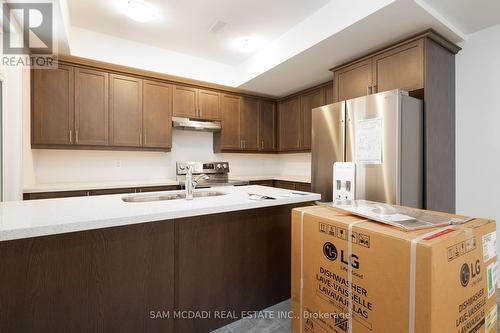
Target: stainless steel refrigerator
(383,134)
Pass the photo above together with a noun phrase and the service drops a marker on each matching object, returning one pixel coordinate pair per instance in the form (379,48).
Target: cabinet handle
(145,139)
(244,144)
(368,90)
(262,145)
(374,89)
(70,136)
(76,136)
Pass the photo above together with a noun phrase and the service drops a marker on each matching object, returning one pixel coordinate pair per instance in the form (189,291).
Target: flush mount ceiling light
(139,10)
(246,44)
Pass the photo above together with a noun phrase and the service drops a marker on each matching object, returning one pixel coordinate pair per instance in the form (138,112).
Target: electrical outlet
(118,163)
(344,181)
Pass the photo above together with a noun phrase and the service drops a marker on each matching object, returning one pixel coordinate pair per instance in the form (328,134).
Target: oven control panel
(202,167)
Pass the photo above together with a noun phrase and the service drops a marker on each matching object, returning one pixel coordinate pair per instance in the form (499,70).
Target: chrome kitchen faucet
(190,183)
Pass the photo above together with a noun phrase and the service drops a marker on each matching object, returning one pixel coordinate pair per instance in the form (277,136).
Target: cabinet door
(53,106)
(267,126)
(91,107)
(230,134)
(329,94)
(284,185)
(185,102)
(126,111)
(249,124)
(353,81)
(309,101)
(208,104)
(400,68)
(157,114)
(289,124)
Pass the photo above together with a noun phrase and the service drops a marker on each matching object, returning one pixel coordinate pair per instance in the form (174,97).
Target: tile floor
(273,325)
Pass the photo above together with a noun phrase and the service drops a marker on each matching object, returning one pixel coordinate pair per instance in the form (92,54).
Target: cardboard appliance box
(440,280)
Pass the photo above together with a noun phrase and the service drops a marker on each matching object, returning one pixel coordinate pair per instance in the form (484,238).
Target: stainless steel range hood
(196,125)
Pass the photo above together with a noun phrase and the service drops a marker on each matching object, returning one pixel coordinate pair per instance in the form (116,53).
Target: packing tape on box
(413,268)
(301,297)
(349,270)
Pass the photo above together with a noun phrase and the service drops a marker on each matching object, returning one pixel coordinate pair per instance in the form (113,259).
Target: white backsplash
(54,166)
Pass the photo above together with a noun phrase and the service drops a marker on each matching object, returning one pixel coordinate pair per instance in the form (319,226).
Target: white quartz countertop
(79,186)
(25,219)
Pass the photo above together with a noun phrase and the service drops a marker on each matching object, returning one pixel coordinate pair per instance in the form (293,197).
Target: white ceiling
(469,16)
(183,25)
(301,39)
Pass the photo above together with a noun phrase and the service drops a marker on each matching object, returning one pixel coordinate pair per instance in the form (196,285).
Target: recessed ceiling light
(246,44)
(139,10)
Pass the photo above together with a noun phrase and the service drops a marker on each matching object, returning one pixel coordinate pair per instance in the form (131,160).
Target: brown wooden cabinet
(157,114)
(309,101)
(289,122)
(126,111)
(354,80)
(249,124)
(196,103)
(185,103)
(267,126)
(53,106)
(400,68)
(229,138)
(208,104)
(91,107)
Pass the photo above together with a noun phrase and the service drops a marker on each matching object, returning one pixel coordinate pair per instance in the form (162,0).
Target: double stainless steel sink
(170,196)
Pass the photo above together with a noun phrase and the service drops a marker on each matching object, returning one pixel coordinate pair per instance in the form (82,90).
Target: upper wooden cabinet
(353,81)
(53,106)
(91,107)
(249,124)
(309,101)
(267,126)
(185,101)
(76,107)
(157,114)
(289,124)
(295,116)
(196,103)
(229,138)
(401,67)
(208,104)
(126,111)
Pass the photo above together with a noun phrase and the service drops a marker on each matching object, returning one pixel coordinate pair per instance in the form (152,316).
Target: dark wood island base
(148,277)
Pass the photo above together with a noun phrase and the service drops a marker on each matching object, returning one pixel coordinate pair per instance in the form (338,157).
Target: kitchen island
(102,264)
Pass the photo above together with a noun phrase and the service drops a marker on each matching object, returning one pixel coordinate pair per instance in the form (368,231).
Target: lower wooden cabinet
(91,192)
(288,185)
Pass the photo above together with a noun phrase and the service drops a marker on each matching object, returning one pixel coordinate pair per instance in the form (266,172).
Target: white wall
(478,125)
(14,81)
(48,166)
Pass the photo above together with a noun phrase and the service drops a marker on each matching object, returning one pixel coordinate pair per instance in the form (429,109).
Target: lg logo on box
(330,252)
(468,272)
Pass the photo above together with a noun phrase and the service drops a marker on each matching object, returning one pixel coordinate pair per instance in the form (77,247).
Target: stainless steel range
(217,174)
